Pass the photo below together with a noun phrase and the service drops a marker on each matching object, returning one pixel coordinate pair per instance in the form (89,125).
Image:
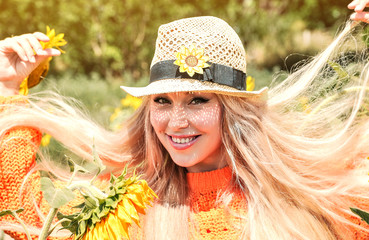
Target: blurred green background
(111,42)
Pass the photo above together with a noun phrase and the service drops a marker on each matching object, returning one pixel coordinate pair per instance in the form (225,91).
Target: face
(188,125)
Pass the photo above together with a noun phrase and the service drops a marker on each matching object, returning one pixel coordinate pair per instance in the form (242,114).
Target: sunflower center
(191,61)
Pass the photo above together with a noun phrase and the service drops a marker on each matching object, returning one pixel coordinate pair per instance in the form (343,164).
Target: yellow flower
(250,83)
(55,41)
(45,140)
(130,101)
(304,104)
(23,88)
(110,217)
(115,115)
(41,71)
(191,60)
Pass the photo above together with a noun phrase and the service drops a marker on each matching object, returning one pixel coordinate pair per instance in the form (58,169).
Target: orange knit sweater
(210,217)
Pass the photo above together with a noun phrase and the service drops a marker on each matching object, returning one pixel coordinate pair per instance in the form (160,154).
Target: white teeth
(182,140)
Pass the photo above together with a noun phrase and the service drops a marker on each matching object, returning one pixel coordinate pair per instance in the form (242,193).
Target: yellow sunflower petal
(130,209)
(183,50)
(206,65)
(205,58)
(177,62)
(119,227)
(199,53)
(182,68)
(190,71)
(192,50)
(137,200)
(198,70)
(123,215)
(110,227)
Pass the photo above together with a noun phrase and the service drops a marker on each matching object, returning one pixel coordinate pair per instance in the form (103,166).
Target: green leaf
(10,212)
(55,197)
(74,167)
(338,69)
(91,202)
(103,211)
(112,202)
(364,215)
(95,218)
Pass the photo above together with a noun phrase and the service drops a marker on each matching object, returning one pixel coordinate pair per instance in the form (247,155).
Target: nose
(178,118)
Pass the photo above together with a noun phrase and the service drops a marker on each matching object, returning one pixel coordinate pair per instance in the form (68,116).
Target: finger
(360,6)
(12,45)
(27,47)
(35,44)
(353,4)
(41,36)
(49,52)
(360,16)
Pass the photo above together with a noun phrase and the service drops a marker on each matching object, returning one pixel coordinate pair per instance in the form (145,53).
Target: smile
(182,142)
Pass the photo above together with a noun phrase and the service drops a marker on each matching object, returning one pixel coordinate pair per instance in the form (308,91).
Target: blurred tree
(116,37)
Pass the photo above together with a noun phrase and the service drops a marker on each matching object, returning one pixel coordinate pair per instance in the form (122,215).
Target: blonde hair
(294,168)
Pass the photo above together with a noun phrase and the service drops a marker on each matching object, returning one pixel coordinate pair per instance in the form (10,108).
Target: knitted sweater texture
(211,218)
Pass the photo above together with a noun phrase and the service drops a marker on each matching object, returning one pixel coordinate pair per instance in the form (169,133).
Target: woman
(226,163)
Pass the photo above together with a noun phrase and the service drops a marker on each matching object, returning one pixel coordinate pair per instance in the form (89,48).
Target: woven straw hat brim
(191,85)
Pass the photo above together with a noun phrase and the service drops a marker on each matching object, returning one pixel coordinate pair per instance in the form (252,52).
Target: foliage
(364,215)
(116,37)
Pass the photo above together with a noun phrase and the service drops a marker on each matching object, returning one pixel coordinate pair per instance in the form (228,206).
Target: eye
(199,100)
(161,100)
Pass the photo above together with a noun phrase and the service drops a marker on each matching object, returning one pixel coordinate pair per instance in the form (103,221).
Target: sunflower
(41,71)
(110,218)
(191,60)
(250,83)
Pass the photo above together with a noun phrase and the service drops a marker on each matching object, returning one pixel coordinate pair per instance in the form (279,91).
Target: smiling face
(188,126)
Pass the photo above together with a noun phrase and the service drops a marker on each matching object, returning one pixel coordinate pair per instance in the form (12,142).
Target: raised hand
(359,6)
(19,56)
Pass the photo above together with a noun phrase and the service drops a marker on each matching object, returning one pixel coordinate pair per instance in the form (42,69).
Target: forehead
(186,94)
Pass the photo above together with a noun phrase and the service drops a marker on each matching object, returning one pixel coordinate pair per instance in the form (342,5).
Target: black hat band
(216,73)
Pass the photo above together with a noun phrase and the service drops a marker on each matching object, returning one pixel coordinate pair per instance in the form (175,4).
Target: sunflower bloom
(191,60)
(111,217)
(41,71)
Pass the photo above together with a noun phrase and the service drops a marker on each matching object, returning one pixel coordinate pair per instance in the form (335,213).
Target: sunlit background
(111,42)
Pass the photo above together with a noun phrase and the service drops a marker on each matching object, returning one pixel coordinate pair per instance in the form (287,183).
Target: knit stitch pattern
(17,156)
(210,217)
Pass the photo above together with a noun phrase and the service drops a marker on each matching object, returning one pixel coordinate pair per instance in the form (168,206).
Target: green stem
(72,177)
(87,186)
(23,225)
(49,219)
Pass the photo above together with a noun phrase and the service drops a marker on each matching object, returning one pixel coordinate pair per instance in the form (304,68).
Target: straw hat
(200,54)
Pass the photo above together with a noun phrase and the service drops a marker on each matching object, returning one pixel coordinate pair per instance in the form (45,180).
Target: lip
(182,146)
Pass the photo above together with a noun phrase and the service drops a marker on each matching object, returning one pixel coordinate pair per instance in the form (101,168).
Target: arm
(19,56)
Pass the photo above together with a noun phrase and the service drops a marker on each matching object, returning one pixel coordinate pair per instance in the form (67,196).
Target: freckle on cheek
(207,116)
(158,116)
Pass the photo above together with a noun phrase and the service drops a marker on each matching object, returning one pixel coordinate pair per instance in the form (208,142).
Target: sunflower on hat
(191,60)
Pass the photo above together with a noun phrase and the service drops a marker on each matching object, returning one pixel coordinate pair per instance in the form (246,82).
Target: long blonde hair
(294,168)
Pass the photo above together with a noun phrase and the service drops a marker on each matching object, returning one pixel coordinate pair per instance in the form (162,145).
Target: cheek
(207,119)
(158,118)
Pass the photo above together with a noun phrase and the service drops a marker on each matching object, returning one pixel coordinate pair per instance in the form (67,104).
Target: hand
(359,14)
(19,56)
